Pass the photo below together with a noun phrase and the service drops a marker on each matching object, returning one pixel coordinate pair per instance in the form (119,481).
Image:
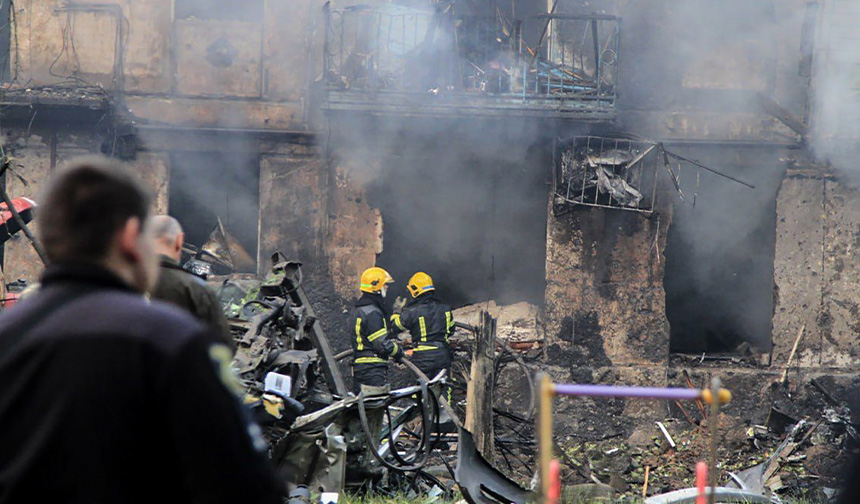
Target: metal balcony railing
(607,173)
(398,49)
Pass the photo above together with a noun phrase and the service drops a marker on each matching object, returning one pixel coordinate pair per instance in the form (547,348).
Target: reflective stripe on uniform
(358,343)
(449,322)
(396,319)
(370,360)
(423,328)
(378,334)
(421,348)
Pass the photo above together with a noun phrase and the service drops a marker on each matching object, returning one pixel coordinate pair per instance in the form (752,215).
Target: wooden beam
(479,393)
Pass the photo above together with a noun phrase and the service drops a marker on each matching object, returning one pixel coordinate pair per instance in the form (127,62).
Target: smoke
(834,94)
(206,186)
(463,200)
(705,60)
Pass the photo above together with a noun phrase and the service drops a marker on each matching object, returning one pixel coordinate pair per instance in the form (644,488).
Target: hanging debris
(620,173)
(221,249)
(607,173)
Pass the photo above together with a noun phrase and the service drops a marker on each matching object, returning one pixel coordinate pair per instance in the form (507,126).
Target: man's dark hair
(84,205)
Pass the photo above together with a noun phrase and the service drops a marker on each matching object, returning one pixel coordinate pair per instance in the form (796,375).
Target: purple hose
(640,392)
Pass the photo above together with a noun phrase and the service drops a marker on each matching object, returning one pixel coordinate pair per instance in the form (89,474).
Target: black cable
(362,413)
(401,459)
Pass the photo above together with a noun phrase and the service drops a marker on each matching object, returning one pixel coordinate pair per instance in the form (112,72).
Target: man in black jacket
(371,343)
(179,287)
(430,322)
(107,398)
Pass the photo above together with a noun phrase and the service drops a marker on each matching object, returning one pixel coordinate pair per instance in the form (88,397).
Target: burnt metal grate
(607,173)
(621,173)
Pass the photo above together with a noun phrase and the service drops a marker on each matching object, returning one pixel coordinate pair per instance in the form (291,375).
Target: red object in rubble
(8,226)
(21,205)
(10,300)
(554,491)
(701,482)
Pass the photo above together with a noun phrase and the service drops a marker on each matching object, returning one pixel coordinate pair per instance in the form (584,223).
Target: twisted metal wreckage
(325,439)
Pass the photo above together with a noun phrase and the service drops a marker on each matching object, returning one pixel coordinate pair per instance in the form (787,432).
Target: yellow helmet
(419,284)
(373,279)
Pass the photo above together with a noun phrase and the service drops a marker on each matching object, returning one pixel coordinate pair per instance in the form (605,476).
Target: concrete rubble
(518,323)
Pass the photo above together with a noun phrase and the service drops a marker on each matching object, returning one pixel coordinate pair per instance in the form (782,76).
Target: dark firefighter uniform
(371,343)
(430,322)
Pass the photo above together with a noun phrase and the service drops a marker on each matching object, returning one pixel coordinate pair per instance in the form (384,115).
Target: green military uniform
(181,288)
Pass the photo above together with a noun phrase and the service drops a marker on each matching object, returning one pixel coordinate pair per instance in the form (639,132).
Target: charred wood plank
(479,393)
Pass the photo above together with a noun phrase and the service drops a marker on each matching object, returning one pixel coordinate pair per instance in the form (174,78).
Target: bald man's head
(168,236)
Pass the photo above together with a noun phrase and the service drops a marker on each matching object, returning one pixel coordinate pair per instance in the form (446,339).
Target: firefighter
(430,322)
(371,342)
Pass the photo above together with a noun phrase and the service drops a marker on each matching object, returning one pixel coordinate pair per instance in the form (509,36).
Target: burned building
(659,180)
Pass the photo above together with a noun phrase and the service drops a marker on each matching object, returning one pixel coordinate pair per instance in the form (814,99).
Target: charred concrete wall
(312,210)
(605,286)
(605,311)
(167,55)
(35,154)
(816,274)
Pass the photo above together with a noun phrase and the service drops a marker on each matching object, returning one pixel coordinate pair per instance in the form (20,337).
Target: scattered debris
(799,453)
(224,251)
(518,324)
(666,433)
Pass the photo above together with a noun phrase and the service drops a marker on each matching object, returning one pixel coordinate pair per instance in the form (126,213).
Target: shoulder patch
(222,360)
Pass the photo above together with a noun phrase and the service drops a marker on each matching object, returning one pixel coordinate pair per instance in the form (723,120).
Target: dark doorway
(467,204)
(206,185)
(719,255)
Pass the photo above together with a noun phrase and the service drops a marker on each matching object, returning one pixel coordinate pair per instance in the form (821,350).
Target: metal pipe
(713,423)
(544,392)
(680,394)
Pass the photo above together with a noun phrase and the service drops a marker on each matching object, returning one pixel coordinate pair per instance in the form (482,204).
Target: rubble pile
(518,324)
(798,450)
(798,459)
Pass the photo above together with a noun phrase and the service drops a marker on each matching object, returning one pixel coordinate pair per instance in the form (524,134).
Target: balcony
(393,60)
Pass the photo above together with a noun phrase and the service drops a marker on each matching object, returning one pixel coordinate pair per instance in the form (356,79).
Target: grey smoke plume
(464,201)
(835,93)
(700,58)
